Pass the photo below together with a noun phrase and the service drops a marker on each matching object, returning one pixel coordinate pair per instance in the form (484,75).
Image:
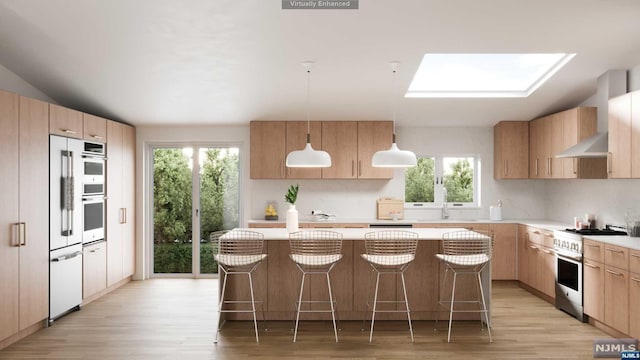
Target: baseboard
(538,293)
(607,329)
(22,334)
(101,293)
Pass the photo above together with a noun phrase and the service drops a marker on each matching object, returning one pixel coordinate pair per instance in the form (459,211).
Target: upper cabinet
(552,134)
(94,128)
(373,136)
(351,145)
(511,150)
(624,136)
(65,122)
(268,149)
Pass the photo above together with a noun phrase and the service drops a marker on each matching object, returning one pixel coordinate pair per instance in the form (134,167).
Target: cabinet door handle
(537,232)
(591,266)
(536,167)
(575,168)
(593,245)
(68,131)
(359,167)
(125,215)
(614,250)
(96,137)
(23,233)
(95,250)
(547,251)
(550,171)
(636,255)
(609,156)
(506,167)
(636,280)
(533,247)
(353,168)
(15,235)
(122,215)
(614,272)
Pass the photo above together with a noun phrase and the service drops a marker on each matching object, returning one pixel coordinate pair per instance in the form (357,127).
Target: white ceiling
(232,61)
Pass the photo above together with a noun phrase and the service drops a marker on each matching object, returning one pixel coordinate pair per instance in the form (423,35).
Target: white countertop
(354,233)
(619,240)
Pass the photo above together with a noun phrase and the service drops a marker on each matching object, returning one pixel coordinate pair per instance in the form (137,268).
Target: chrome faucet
(445,208)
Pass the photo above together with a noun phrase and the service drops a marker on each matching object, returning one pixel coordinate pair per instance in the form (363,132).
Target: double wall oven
(93,191)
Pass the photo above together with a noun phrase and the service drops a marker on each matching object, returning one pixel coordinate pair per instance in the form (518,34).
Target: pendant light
(308,157)
(394,157)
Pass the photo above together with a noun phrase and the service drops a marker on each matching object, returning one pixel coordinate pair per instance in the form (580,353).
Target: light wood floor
(175,319)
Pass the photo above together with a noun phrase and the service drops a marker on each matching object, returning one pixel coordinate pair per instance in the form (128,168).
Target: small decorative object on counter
(270,212)
(590,219)
(292,214)
(495,212)
(390,209)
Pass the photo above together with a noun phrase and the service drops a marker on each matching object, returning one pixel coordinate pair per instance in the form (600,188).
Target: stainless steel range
(567,245)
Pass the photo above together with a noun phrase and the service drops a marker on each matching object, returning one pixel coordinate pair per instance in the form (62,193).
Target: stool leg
(253,306)
(221,301)
(369,295)
(333,311)
(295,332)
(484,307)
(440,297)
(375,302)
(453,294)
(406,303)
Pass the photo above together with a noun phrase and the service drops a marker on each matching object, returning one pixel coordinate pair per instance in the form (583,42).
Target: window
(434,180)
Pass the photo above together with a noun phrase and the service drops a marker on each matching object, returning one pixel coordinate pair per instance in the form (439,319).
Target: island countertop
(356,233)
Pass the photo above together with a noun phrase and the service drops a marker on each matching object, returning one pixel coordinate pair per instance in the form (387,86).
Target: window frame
(438,187)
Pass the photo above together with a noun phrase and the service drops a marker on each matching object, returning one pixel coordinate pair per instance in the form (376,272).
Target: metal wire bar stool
(465,252)
(315,252)
(239,252)
(389,252)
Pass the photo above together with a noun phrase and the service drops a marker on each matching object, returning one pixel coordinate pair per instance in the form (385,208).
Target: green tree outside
(419,181)
(459,183)
(173,206)
(458,180)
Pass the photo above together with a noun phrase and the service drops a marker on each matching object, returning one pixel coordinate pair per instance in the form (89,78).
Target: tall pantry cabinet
(24,214)
(120,213)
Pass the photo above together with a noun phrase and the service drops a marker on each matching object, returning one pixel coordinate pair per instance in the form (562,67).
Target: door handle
(591,266)
(66,256)
(614,272)
(22,232)
(506,167)
(614,250)
(68,131)
(359,167)
(353,168)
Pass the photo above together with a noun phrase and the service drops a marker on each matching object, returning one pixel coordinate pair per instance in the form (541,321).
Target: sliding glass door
(195,194)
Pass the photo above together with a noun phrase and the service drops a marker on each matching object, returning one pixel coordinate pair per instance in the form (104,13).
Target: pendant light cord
(395,102)
(308,103)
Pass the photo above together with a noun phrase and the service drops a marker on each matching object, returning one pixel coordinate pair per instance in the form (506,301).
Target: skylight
(484,75)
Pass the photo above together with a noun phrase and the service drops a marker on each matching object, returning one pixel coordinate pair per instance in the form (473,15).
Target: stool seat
(315,260)
(464,260)
(238,260)
(389,260)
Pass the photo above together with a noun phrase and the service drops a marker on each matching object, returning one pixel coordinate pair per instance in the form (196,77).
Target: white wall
(15,84)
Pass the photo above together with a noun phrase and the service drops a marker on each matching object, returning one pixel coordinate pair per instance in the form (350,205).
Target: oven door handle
(563,254)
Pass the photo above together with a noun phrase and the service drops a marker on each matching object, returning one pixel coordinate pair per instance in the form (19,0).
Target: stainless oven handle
(577,258)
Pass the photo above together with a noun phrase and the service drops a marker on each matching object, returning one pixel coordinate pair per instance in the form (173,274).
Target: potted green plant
(292,214)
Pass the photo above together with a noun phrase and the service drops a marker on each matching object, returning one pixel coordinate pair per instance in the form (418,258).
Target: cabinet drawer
(617,256)
(593,250)
(634,261)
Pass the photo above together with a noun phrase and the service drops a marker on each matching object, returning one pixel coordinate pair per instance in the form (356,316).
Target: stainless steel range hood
(596,146)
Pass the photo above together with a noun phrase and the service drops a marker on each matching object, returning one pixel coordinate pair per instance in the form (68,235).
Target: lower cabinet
(523,259)
(634,309)
(503,263)
(94,269)
(593,289)
(616,298)
(537,261)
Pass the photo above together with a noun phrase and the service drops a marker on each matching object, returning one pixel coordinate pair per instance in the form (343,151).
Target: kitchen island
(277,280)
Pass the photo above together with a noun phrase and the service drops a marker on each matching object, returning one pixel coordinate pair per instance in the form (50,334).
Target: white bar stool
(465,253)
(390,252)
(315,252)
(239,253)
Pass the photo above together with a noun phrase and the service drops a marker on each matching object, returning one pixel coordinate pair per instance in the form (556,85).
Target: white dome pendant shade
(394,157)
(308,157)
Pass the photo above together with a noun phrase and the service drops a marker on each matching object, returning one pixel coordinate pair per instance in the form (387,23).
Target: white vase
(292,219)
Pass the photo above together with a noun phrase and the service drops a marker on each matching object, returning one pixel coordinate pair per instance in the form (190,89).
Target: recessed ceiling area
(484,75)
(227,62)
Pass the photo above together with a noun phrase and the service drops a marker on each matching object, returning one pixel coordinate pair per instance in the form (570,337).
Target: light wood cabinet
(634,307)
(634,261)
(511,150)
(65,122)
(503,263)
(523,259)
(619,159)
(120,203)
(616,298)
(24,215)
(552,134)
(373,136)
(94,128)
(296,135)
(540,260)
(268,149)
(593,250)
(350,144)
(94,269)
(593,288)
(340,140)
(635,135)
(617,256)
